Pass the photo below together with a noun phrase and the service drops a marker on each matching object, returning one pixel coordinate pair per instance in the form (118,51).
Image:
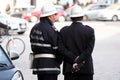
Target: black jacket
(80,40)
(43,39)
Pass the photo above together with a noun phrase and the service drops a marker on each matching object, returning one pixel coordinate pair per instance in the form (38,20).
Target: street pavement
(106,54)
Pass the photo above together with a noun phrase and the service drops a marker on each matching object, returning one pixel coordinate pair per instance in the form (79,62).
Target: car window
(3,58)
(95,7)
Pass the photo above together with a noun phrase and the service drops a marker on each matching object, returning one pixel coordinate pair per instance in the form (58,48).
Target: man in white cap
(44,44)
(79,39)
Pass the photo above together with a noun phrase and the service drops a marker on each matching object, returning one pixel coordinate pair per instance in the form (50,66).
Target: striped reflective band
(56,47)
(43,45)
(47,69)
(45,55)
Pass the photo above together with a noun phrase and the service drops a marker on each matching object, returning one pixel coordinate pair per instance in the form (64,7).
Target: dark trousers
(78,76)
(47,77)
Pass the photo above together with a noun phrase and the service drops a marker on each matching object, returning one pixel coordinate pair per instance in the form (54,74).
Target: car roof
(95,4)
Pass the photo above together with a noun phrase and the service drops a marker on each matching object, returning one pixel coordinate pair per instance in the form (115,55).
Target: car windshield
(4,60)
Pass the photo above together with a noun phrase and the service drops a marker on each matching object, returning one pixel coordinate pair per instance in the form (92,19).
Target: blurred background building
(7,5)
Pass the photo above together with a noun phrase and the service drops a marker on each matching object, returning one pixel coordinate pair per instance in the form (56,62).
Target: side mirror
(14,56)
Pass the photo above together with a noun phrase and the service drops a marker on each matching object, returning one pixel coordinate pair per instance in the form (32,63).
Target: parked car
(28,13)
(8,71)
(33,14)
(110,13)
(92,10)
(16,25)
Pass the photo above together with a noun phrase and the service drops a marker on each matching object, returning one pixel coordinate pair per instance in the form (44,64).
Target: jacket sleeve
(89,48)
(68,55)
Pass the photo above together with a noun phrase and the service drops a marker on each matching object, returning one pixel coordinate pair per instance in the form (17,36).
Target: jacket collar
(77,22)
(46,20)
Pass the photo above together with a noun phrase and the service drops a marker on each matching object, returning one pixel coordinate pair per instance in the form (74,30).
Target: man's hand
(74,65)
(75,68)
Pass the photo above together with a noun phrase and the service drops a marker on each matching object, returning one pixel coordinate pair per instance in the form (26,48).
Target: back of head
(48,9)
(76,11)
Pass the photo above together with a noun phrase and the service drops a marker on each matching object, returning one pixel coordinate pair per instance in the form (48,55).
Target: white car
(16,25)
(111,13)
(92,10)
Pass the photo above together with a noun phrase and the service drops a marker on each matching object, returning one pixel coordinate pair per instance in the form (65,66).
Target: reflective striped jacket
(43,39)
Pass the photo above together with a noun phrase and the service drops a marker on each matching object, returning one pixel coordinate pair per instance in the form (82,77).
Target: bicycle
(13,44)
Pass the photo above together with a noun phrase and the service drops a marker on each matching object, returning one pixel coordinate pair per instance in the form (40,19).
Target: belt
(42,45)
(45,56)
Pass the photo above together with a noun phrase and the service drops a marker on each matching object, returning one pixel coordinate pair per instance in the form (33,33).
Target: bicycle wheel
(15,45)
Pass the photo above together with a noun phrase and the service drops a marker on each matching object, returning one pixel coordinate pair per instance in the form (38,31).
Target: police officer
(43,39)
(79,39)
